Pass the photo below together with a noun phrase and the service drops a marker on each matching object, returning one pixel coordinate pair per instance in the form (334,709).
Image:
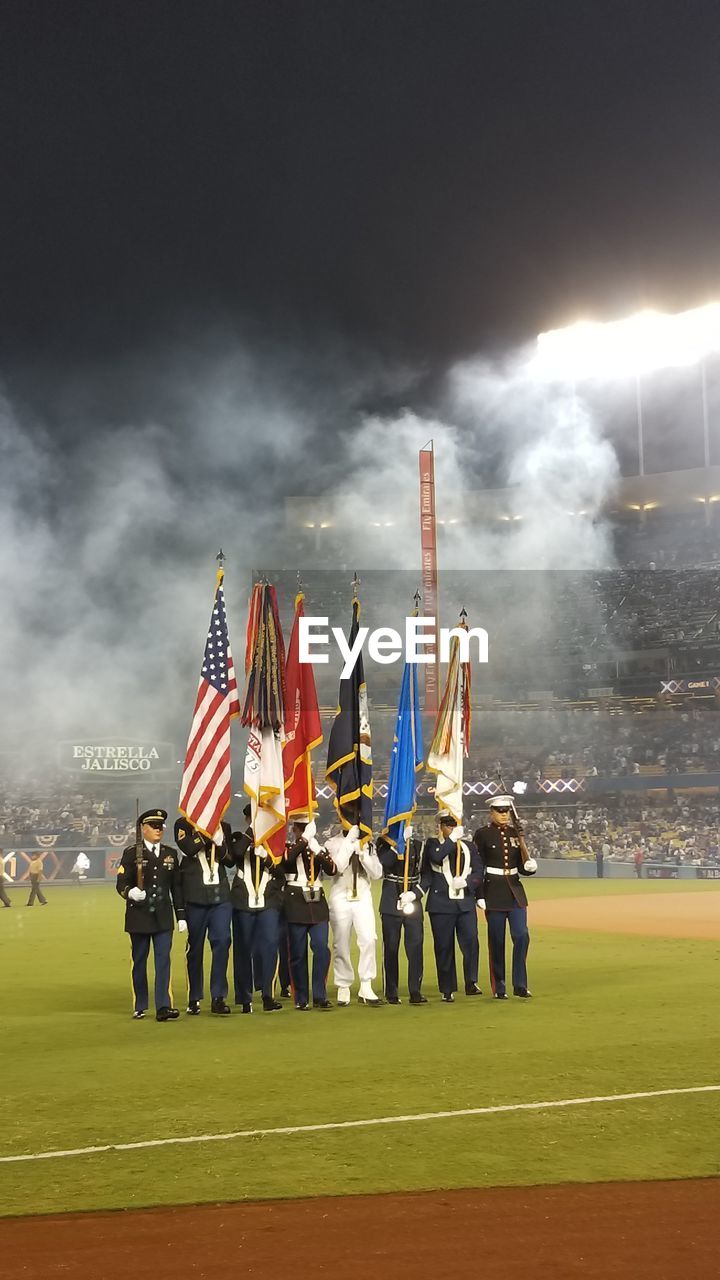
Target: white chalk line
(289,1130)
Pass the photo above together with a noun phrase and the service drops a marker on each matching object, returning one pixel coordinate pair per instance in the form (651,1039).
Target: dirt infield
(670,915)
(640,1229)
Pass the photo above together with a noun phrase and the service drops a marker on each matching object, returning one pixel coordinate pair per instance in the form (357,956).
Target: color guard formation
(277,914)
(272,891)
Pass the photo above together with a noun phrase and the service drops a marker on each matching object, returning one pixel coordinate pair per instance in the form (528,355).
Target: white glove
(457,833)
(310,831)
(313,845)
(459,882)
(406,898)
(182,926)
(408,832)
(530,865)
(136,895)
(353,833)
(219,838)
(481,904)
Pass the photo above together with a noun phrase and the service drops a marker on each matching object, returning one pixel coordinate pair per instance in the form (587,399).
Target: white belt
(498,871)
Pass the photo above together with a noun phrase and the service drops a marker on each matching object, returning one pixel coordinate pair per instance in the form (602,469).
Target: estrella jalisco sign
(116,757)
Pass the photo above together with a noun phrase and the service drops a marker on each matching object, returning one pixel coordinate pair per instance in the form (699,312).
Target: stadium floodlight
(632,347)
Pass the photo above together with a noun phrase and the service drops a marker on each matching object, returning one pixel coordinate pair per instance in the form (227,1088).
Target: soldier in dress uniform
(149,910)
(451,874)
(257,899)
(280,962)
(503,853)
(351,907)
(206,894)
(401,911)
(304,866)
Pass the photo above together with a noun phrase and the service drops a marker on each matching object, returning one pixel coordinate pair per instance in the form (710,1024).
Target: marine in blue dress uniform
(401,912)
(206,893)
(257,898)
(306,910)
(503,854)
(149,910)
(451,876)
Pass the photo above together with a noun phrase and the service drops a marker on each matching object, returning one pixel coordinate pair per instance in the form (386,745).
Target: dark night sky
(424,179)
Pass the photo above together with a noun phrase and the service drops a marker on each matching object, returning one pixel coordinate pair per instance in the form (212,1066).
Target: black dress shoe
(499,995)
(138,1014)
(322,1004)
(303,1008)
(372,1004)
(394,999)
(193,1008)
(245,1008)
(417,998)
(167,1015)
(270,1005)
(218,1005)
(474,990)
(448,997)
(284,993)
(522,992)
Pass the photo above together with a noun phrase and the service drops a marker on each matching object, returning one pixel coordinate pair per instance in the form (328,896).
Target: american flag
(205,792)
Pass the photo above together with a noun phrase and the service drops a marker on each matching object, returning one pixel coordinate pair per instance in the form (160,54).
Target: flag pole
(406,866)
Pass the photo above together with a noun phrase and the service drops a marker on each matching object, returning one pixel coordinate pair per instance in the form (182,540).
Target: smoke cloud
(119,485)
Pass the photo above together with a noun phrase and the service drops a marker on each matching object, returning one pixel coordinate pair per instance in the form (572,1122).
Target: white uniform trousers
(344,916)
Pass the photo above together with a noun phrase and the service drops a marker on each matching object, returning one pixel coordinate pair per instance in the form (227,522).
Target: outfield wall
(104,866)
(583,869)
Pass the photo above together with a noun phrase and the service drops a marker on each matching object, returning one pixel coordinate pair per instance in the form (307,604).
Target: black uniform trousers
(318,935)
(36,892)
(392,927)
(214,922)
(255,951)
(140,945)
(516,919)
(445,927)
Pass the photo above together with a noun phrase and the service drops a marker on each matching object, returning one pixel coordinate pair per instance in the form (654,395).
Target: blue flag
(405,762)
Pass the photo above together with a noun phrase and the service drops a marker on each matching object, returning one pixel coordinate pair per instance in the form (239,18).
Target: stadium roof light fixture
(639,344)
(309,526)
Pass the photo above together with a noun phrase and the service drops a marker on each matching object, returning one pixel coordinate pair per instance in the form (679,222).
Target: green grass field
(612,1014)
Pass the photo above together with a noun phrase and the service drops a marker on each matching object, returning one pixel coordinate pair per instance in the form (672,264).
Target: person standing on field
(36,870)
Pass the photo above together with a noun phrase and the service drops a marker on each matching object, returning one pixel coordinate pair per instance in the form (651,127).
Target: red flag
(205,791)
(303,729)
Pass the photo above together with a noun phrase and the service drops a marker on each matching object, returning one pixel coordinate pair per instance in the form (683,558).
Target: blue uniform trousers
(444,928)
(284,955)
(517,920)
(214,923)
(318,936)
(392,927)
(255,951)
(140,944)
